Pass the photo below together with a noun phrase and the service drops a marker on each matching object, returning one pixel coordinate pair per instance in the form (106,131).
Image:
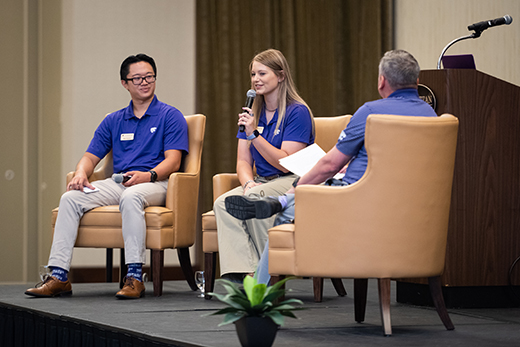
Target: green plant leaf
(236,302)
(288,314)
(255,300)
(218,296)
(271,296)
(257,294)
(279,284)
(263,307)
(291,301)
(231,288)
(224,310)
(230,318)
(276,316)
(249,284)
(283,307)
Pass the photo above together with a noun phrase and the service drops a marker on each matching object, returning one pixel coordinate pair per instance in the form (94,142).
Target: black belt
(270,178)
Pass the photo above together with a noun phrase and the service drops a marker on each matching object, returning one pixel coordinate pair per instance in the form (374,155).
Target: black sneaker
(243,208)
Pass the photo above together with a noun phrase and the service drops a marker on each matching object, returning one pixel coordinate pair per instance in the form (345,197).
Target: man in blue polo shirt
(397,85)
(148,140)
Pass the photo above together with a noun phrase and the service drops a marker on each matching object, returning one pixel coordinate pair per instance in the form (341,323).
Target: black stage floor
(177,319)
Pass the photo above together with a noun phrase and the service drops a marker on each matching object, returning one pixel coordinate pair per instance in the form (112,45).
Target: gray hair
(399,68)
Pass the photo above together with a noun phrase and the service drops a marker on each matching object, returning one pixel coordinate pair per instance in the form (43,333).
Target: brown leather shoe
(50,287)
(133,289)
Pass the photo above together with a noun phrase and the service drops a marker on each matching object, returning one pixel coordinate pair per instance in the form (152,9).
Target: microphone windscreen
(508,19)
(118,178)
(251,93)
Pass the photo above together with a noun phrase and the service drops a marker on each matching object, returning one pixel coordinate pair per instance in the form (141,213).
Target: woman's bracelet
(245,184)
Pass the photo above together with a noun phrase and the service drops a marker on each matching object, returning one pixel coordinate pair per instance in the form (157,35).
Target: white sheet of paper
(87,190)
(303,160)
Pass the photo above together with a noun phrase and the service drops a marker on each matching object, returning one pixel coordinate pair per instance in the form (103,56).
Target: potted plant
(255,310)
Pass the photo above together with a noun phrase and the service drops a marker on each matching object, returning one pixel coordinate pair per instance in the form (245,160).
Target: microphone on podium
(478,28)
(481,26)
(251,94)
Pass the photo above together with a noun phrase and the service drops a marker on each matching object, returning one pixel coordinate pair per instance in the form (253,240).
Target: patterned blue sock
(135,270)
(59,273)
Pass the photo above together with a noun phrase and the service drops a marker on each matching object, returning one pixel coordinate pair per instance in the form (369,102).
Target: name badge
(127,137)
(260,129)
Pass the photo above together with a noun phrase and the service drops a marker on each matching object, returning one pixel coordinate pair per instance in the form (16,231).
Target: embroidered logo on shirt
(152,130)
(277,132)
(342,135)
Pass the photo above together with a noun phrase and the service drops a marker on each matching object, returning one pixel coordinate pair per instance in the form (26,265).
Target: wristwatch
(153,178)
(253,136)
(295,183)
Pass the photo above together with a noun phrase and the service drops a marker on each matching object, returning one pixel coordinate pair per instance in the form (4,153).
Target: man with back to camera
(397,84)
(148,139)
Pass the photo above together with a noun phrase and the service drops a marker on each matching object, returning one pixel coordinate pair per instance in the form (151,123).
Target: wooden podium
(484,226)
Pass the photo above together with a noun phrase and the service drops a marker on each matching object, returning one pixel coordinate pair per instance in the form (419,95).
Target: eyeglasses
(138,80)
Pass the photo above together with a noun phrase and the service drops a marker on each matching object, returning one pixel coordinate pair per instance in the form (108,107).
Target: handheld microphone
(120,178)
(249,102)
(481,26)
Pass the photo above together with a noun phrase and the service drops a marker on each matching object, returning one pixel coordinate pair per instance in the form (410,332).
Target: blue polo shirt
(404,102)
(297,126)
(139,144)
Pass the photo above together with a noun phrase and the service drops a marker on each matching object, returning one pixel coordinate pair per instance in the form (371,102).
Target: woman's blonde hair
(287,93)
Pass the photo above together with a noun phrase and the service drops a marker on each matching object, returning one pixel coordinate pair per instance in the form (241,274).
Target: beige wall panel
(13,229)
(97,36)
(425,27)
(49,139)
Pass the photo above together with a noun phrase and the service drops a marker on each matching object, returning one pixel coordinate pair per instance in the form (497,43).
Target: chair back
(393,222)
(328,129)
(196,127)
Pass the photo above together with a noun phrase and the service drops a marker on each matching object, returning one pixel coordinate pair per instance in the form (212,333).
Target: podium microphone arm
(471,36)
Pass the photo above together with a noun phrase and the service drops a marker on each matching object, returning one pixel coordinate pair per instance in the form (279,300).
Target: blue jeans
(284,217)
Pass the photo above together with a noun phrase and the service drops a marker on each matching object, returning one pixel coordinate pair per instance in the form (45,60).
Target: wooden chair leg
(317,283)
(122,268)
(210,260)
(157,267)
(187,270)
(151,266)
(360,299)
(383,285)
(338,285)
(109,264)
(438,300)
(318,287)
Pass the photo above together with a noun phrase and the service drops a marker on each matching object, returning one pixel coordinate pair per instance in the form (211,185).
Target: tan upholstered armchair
(170,226)
(390,224)
(327,133)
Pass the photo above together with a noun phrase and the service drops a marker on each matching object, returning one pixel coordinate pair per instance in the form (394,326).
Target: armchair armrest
(223,183)
(182,198)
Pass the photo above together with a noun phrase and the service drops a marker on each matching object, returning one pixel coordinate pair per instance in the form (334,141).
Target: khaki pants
(241,243)
(131,201)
